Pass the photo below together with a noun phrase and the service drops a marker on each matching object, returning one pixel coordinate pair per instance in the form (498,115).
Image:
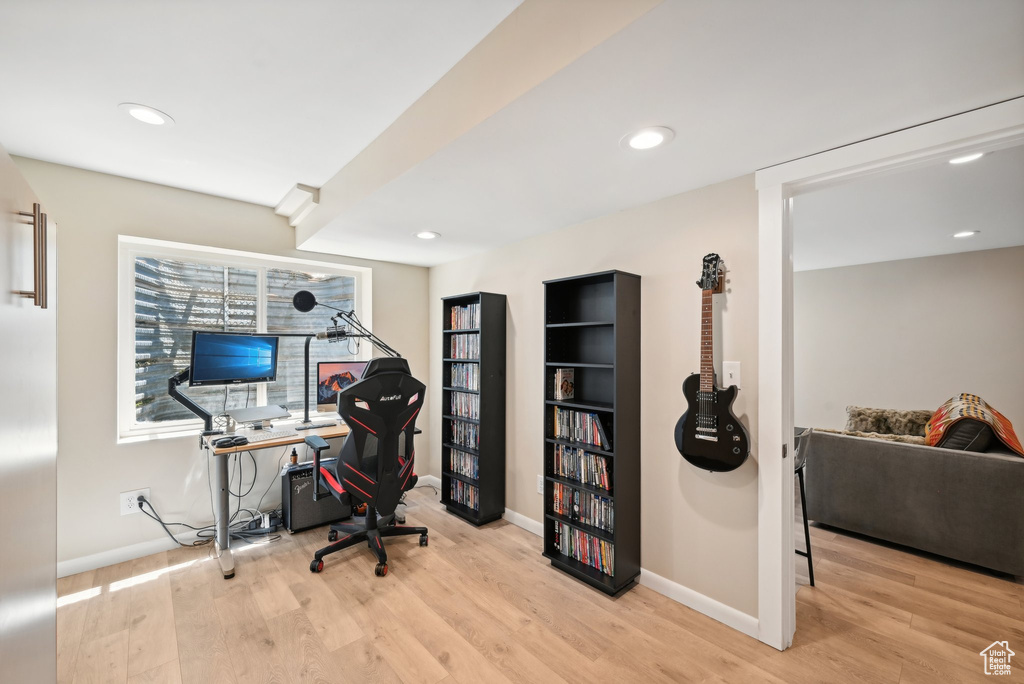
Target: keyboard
(264,435)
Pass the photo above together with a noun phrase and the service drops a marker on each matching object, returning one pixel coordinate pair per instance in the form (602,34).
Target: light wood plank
(153,640)
(103,660)
(168,673)
(255,656)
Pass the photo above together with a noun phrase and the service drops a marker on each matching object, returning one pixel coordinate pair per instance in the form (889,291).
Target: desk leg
(222,514)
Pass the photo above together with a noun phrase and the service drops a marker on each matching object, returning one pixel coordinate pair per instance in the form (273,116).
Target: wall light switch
(540,484)
(731,370)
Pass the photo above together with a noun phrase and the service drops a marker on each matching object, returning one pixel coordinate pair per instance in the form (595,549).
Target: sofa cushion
(886,421)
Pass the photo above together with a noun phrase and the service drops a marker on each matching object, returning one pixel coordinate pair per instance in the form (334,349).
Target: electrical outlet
(540,484)
(731,371)
(130,501)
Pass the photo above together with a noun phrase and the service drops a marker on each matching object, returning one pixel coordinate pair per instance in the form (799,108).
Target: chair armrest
(317,444)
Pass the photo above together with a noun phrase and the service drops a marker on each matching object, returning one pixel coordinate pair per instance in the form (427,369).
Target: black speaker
(299,510)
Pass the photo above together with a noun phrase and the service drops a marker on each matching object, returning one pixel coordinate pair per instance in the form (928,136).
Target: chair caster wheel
(380,569)
(423,540)
(316,566)
(332,536)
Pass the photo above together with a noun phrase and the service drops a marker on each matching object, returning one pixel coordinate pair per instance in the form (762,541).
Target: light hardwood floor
(482,605)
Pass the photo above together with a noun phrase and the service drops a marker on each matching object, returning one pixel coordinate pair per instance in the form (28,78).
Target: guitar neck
(707,337)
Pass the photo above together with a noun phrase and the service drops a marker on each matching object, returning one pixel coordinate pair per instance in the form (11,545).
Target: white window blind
(174,293)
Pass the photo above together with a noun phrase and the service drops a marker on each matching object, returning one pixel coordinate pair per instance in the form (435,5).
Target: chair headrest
(386,365)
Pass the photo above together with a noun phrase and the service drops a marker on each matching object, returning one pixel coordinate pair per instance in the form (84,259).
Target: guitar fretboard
(707,354)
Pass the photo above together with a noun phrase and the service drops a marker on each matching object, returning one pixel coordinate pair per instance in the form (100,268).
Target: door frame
(987,128)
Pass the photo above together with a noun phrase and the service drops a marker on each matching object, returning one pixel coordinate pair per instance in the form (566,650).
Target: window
(168,290)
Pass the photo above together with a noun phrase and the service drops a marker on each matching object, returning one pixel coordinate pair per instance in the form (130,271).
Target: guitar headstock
(712,276)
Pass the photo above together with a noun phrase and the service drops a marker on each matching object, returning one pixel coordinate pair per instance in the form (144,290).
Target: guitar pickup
(705,437)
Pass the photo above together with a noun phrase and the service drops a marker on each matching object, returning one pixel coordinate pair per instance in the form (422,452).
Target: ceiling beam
(536,41)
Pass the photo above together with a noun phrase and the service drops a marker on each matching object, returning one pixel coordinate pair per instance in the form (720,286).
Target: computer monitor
(331,378)
(232,358)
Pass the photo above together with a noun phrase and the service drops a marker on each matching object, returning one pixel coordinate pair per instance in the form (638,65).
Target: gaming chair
(375,465)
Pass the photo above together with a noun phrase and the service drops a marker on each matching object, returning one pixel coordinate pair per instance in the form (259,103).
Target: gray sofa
(964,505)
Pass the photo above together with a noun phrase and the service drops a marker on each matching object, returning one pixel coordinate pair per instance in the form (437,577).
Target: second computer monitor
(331,378)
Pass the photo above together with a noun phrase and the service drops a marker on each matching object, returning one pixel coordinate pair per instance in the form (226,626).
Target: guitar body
(708,435)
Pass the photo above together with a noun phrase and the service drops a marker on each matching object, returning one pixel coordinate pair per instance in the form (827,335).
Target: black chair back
(376,461)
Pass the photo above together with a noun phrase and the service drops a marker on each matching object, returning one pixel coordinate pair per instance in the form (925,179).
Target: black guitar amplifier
(299,510)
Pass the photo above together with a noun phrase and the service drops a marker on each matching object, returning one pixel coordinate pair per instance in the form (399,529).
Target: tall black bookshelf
(592,476)
(473,406)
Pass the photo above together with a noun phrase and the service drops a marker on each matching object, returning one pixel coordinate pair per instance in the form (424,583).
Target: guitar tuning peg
(698,283)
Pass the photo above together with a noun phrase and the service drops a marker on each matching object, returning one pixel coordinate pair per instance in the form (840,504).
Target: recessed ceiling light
(966,233)
(427,235)
(146,114)
(967,158)
(647,138)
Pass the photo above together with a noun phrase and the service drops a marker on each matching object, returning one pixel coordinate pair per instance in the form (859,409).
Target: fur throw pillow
(886,421)
(905,439)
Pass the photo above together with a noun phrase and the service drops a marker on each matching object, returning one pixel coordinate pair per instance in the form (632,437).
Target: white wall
(910,334)
(92,209)
(699,529)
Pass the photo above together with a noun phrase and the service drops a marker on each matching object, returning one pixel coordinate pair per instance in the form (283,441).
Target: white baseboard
(121,554)
(430,480)
(727,615)
(528,524)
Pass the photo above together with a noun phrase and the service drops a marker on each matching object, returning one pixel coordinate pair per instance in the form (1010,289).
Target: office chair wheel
(380,569)
(316,566)
(423,540)
(332,536)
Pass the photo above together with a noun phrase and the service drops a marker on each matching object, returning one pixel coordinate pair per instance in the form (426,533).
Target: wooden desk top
(328,432)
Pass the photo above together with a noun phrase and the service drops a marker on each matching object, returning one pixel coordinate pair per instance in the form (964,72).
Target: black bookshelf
(482,460)
(592,326)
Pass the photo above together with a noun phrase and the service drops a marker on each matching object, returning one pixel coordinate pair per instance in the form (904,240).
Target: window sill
(173,433)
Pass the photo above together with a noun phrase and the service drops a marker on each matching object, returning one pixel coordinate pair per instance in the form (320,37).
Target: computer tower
(298,509)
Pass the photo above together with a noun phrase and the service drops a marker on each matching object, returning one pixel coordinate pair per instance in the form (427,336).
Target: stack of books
(465,346)
(465,405)
(585,548)
(466,376)
(580,426)
(466,317)
(576,464)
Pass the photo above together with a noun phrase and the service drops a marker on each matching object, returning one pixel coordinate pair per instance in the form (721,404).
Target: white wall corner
(432,480)
(528,524)
(727,615)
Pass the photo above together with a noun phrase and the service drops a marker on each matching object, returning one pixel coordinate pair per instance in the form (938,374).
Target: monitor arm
(172,389)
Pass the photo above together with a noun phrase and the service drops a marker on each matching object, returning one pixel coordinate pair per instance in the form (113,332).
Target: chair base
(353,533)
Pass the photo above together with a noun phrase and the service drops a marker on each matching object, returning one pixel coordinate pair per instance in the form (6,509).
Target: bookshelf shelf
(594,320)
(583,405)
(462,420)
(569,482)
(598,532)
(473,325)
(570,364)
(464,478)
(579,445)
(580,324)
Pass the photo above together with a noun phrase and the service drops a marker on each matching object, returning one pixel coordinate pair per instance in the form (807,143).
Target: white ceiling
(744,85)
(912,213)
(264,93)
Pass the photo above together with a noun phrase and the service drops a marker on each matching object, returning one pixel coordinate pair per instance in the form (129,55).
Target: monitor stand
(258,414)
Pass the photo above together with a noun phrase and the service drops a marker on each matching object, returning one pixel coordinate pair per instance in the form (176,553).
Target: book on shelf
(580,426)
(465,434)
(466,346)
(465,317)
(574,463)
(465,494)
(464,464)
(465,405)
(465,376)
(585,548)
(583,507)
(565,383)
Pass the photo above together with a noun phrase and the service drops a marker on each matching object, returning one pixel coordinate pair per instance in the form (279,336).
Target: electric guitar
(708,435)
